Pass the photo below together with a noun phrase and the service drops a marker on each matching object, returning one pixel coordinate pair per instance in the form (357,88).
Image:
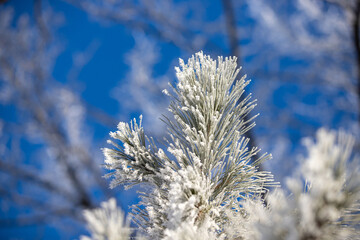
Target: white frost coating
(189,197)
(166,92)
(186,231)
(107,222)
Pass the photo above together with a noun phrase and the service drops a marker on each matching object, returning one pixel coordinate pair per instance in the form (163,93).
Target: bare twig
(233,38)
(356,41)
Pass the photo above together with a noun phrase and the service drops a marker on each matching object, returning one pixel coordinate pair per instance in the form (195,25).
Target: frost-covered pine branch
(107,223)
(207,185)
(327,207)
(207,168)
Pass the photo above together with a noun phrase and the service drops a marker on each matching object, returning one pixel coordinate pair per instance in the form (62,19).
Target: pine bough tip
(207,184)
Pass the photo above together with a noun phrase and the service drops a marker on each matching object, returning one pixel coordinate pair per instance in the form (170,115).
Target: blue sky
(108,44)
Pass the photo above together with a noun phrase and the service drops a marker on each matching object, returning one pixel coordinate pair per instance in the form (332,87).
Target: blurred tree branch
(356,37)
(23,70)
(145,19)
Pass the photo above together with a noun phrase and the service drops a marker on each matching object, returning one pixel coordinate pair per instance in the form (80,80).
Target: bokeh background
(70,70)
